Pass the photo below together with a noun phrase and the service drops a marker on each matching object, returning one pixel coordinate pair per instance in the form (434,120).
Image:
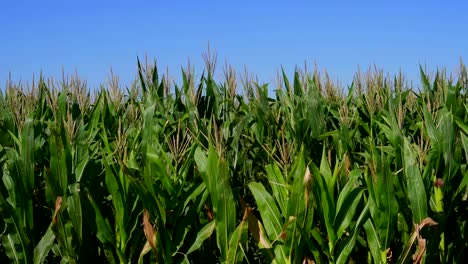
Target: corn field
(207,171)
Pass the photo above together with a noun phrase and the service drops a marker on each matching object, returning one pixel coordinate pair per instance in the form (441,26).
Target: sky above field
(90,37)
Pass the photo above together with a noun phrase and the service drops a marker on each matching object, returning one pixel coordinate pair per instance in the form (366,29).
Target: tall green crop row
(225,172)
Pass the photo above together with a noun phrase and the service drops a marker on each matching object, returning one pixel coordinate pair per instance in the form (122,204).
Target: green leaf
(464,183)
(279,187)
(239,236)
(298,208)
(59,165)
(161,172)
(382,203)
(81,166)
(74,209)
(463,126)
(327,205)
(286,81)
(15,239)
(269,212)
(351,241)
(142,79)
(347,203)
(195,193)
(416,191)
(146,249)
(326,173)
(430,126)
(217,183)
(104,230)
(346,213)
(10,241)
(201,160)
(42,249)
(373,241)
(425,81)
(297,84)
(118,200)
(27,153)
(202,235)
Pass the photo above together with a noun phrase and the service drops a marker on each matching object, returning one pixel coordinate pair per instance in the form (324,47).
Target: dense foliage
(207,171)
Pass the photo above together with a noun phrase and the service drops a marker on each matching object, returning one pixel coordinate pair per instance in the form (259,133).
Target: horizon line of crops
(230,172)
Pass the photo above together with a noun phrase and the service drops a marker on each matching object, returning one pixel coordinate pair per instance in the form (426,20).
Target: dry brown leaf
(209,213)
(307,260)
(420,251)
(347,164)
(307,179)
(427,222)
(149,230)
(255,227)
(421,241)
(58,205)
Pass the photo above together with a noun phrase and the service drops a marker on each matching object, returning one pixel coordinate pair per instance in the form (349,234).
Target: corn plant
(235,172)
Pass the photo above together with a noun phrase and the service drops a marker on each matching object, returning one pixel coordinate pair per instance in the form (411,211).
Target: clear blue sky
(92,36)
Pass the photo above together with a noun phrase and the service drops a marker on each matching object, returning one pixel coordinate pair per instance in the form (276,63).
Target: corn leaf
(271,217)
(416,191)
(202,235)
